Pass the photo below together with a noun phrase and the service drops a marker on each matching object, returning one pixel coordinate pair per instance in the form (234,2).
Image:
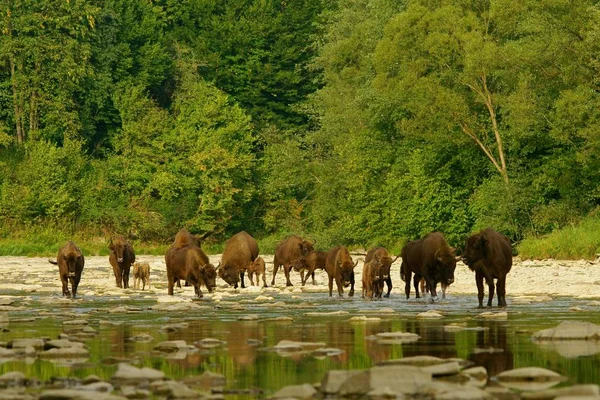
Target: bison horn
(394,260)
(356,263)
(218,266)
(436,255)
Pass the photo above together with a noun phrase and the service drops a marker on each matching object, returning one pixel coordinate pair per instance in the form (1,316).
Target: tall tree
(45,47)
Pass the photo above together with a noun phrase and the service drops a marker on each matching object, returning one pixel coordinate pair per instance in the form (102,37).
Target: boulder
(129,372)
(400,379)
(333,380)
(299,392)
(570,330)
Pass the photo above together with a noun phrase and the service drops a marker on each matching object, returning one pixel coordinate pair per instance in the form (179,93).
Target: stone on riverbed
(430,314)
(529,378)
(12,379)
(72,394)
(299,392)
(399,378)
(570,330)
(333,379)
(578,391)
(128,372)
(37,344)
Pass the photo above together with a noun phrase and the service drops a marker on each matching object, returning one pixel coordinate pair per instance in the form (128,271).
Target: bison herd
(425,262)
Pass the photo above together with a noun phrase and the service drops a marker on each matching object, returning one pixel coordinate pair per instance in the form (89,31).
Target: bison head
(229,275)
(71,260)
(346,269)
(446,265)
(306,247)
(474,250)
(385,265)
(209,275)
(118,247)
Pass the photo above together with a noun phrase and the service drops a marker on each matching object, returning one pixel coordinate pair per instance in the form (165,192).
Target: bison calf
(383,258)
(308,264)
(489,254)
(371,276)
(70,263)
(141,273)
(257,267)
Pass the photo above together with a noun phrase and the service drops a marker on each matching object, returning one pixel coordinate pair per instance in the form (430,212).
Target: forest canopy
(351,121)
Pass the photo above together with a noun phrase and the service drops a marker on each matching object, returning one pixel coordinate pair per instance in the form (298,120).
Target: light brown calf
(371,278)
(257,267)
(141,272)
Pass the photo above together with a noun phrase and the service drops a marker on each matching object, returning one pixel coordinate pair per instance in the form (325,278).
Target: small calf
(141,272)
(257,267)
(372,284)
(423,284)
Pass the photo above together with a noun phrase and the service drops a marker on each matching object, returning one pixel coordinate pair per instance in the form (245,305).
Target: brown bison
(309,263)
(121,258)
(257,267)
(185,238)
(430,258)
(489,254)
(381,255)
(70,263)
(424,289)
(339,266)
(371,277)
(189,262)
(240,250)
(141,273)
(286,252)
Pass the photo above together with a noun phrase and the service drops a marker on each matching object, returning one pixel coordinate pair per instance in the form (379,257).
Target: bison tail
(53,262)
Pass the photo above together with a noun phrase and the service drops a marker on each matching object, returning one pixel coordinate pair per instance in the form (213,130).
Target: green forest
(355,122)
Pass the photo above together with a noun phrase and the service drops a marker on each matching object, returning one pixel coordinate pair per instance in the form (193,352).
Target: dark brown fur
(121,258)
(430,258)
(141,273)
(308,264)
(381,255)
(70,263)
(257,267)
(286,252)
(240,250)
(339,267)
(489,254)
(188,262)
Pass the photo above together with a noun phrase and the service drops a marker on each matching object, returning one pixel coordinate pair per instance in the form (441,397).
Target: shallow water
(252,368)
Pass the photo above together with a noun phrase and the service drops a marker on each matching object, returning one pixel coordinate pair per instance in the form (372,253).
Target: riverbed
(236,332)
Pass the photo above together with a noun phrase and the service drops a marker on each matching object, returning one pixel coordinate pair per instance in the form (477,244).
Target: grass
(580,241)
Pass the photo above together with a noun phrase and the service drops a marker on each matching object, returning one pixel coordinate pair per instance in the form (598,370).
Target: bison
(257,267)
(286,252)
(425,290)
(70,263)
(381,255)
(489,254)
(339,266)
(185,238)
(308,264)
(121,258)
(189,262)
(240,250)
(430,258)
(371,277)
(141,273)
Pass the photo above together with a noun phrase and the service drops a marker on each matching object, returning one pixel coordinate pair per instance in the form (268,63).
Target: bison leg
(388,282)
(286,270)
(126,278)
(340,286)
(242,278)
(501,291)
(479,282)
(302,276)
(170,283)
(330,285)
(351,292)
(74,284)
(407,282)
(416,281)
(491,287)
(65,286)
(275,268)
(251,277)
(264,279)
(118,277)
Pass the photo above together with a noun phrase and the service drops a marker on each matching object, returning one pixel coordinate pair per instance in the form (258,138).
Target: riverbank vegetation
(351,122)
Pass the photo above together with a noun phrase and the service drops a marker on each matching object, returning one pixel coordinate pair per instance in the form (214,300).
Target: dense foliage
(356,122)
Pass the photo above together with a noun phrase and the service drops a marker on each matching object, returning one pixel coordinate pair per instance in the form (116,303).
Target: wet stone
(304,391)
(129,372)
(11,379)
(72,394)
(572,391)
(333,380)
(24,343)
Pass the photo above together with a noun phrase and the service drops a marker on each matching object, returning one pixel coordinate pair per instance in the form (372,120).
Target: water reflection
(492,350)
(239,349)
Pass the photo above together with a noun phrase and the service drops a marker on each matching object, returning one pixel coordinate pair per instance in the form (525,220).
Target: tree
(45,47)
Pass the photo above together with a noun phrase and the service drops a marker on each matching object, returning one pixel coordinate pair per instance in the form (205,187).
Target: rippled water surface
(245,355)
